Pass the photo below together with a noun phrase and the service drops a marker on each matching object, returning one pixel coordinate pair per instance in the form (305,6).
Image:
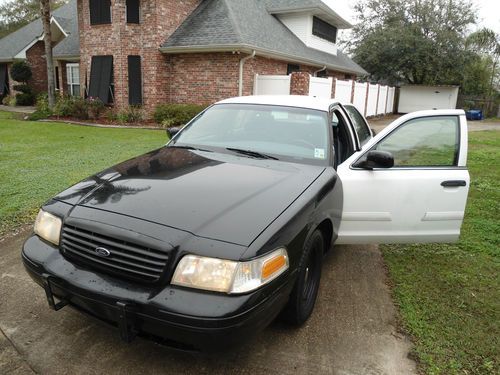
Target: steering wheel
(301,142)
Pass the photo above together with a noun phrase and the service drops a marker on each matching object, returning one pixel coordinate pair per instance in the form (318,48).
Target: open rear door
(422,198)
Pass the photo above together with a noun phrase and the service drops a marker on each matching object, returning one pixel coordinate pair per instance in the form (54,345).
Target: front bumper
(183,318)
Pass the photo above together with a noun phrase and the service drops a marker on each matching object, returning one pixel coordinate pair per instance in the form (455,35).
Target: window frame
(318,30)
(456,158)
(70,84)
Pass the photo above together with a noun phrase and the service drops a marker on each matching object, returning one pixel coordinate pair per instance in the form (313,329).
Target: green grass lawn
(38,160)
(449,295)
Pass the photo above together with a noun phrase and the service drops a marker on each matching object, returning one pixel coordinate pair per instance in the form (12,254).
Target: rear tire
(303,296)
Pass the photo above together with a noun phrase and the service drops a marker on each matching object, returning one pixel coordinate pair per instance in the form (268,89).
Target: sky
(488,12)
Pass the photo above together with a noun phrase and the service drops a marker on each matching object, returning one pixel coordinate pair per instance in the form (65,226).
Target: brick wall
(35,57)
(159,19)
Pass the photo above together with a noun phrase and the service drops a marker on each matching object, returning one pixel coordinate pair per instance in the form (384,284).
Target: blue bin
(474,114)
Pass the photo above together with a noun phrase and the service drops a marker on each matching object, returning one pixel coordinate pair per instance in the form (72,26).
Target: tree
(487,43)
(47,38)
(417,42)
(14,14)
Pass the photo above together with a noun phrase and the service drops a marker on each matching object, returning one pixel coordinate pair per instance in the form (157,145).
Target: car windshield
(260,131)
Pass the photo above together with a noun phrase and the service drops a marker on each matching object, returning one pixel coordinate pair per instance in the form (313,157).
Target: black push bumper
(181,318)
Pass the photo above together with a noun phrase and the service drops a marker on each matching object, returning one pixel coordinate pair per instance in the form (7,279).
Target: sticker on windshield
(319,153)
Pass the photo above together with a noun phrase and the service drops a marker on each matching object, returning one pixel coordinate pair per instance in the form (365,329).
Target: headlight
(227,276)
(48,227)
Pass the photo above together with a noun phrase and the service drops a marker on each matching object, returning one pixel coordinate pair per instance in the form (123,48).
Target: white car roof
(296,101)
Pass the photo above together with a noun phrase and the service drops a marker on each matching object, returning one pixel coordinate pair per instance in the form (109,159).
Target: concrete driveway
(353,330)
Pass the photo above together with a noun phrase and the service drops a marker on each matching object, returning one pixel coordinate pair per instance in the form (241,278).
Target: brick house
(148,52)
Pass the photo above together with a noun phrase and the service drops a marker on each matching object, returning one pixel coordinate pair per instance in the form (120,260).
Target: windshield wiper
(251,153)
(190,148)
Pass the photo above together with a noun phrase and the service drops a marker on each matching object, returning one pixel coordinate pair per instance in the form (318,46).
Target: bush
(80,108)
(95,108)
(21,72)
(42,108)
(24,88)
(9,100)
(64,106)
(25,99)
(176,114)
(131,115)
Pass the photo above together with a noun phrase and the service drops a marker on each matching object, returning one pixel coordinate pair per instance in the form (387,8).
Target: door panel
(415,201)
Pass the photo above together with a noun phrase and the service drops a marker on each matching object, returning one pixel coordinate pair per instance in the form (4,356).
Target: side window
(424,142)
(342,142)
(364,133)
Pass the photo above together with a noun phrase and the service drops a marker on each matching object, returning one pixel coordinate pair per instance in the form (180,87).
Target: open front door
(422,197)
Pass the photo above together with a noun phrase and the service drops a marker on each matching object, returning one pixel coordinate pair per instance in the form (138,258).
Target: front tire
(303,296)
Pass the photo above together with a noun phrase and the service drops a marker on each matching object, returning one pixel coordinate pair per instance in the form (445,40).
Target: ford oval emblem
(102,252)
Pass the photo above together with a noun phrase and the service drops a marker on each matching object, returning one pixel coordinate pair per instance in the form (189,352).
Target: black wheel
(305,291)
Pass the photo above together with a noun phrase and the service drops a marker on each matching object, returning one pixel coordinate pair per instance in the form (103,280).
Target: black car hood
(212,195)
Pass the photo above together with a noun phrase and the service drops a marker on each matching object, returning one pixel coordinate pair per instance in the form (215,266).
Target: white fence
(370,100)
(271,85)
(320,87)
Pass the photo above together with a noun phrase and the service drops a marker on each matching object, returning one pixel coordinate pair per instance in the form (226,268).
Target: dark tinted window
(424,142)
(292,68)
(134,80)
(4,79)
(324,30)
(100,12)
(133,11)
(101,78)
(359,123)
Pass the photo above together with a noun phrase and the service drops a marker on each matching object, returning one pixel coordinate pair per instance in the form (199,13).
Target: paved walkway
(352,331)
(25,110)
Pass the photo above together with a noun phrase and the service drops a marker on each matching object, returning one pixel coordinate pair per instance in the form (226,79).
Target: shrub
(9,100)
(21,71)
(95,108)
(80,108)
(131,115)
(42,108)
(25,99)
(176,114)
(64,106)
(24,88)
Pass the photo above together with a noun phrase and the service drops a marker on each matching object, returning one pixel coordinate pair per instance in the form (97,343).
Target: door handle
(453,183)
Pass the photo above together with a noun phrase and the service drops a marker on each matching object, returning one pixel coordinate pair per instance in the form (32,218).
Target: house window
(134,80)
(133,11)
(324,30)
(100,12)
(73,77)
(292,68)
(101,79)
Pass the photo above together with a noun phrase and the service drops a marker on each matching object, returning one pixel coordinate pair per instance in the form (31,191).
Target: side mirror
(171,132)
(376,159)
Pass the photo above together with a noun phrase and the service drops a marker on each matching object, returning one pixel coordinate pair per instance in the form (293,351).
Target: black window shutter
(100,12)
(4,87)
(101,78)
(324,30)
(133,11)
(134,80)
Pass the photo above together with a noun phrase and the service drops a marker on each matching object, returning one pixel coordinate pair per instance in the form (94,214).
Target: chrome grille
(126,259)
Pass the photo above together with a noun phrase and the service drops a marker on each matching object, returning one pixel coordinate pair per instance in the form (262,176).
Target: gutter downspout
(242,63)
(317,71)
